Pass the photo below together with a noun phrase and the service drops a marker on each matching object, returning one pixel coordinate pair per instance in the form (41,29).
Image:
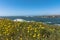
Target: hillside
(13,30)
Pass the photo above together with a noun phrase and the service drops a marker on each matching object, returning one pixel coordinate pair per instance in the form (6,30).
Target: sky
(29,7)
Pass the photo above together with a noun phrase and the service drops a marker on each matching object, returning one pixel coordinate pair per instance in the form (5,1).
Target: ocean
(33,18)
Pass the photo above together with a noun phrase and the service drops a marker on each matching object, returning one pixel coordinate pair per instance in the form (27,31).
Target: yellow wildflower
(5,25)
(28,27)
(38,35)
(6,38)
(31,28)
(28,31)
(42,27)
(53,29)
(8,26)
(9,23)
(34,35)
(17,29)
(4,32)
(35,29)
(7,33)
(11,38)
(20,38)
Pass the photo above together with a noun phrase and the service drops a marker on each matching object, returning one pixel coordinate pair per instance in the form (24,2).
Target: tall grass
(10,30)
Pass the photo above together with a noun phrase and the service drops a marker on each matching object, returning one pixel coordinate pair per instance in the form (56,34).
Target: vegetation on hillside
(10,30)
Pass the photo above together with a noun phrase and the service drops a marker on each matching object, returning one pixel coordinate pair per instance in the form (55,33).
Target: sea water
(33,18)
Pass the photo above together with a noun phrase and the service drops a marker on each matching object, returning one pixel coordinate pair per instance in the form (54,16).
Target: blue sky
(29,7)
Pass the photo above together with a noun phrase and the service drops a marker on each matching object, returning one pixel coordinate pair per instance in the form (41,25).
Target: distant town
(49,16)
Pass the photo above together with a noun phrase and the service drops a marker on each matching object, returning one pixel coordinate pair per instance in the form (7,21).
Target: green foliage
(10,30)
